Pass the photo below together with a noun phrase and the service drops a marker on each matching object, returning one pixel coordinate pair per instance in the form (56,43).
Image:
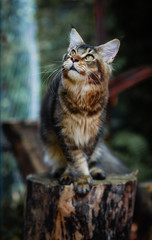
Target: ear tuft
(75,38)
(109,50)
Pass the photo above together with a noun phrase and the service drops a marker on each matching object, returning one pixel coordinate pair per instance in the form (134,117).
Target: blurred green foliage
(133,150)
(12,203)
(13,222)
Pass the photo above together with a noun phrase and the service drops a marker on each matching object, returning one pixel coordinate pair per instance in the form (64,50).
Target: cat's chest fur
(80,128)
(81,114)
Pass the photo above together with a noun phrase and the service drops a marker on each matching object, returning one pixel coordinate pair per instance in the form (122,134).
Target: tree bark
(56,212)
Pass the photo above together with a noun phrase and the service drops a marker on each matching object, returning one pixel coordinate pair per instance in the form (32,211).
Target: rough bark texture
(55,212)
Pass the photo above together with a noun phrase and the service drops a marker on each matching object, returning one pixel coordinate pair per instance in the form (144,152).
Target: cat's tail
(111,164)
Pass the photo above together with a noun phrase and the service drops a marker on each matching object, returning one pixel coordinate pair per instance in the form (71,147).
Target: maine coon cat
(72,115)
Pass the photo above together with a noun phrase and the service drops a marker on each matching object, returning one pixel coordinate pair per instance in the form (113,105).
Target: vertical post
(20,82)
(100,21)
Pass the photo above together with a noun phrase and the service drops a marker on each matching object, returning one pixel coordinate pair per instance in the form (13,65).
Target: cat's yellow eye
(73,52)
(89,57)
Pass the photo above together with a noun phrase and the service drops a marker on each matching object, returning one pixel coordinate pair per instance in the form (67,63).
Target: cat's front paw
(97,173)
(82,184)
(66,179)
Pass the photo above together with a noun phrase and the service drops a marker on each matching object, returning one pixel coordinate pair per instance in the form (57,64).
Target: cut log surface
(56,212)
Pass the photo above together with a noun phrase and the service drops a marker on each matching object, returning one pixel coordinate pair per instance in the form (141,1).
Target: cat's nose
(74,59)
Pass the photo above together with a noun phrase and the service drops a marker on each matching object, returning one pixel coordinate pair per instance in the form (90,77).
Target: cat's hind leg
(55,159)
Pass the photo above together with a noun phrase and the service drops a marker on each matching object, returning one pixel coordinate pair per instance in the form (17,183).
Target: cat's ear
(75,39)
(109,50)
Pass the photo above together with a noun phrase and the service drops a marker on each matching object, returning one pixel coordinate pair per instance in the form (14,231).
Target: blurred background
(34,37)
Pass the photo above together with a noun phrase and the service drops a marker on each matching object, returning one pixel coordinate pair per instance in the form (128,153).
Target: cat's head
(84,62)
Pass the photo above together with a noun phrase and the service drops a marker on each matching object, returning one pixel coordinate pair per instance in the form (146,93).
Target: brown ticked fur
(72,115)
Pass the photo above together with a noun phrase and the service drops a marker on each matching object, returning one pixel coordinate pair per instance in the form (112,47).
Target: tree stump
(56,212)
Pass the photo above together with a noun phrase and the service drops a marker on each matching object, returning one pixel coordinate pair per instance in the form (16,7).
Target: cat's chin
(75,75)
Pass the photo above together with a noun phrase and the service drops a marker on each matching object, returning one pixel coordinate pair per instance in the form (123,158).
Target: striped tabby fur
(73,112)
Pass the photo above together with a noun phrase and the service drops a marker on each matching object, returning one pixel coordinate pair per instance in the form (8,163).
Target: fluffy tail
(111,164)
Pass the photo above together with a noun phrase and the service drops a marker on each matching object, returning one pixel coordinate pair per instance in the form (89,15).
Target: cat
(73,112)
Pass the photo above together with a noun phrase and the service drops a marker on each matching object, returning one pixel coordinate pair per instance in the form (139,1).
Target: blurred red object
(133,234)
(127,80)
